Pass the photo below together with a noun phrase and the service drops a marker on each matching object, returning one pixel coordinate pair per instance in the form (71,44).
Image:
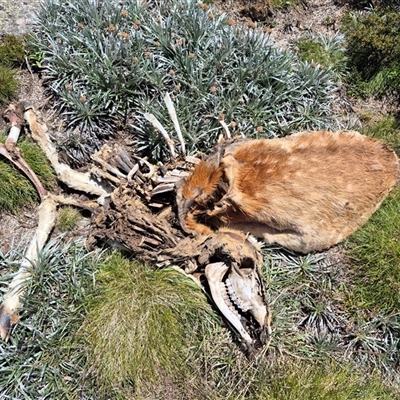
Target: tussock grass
(16,190)
(12,54)
(142,327)
(12,51)
(111,328)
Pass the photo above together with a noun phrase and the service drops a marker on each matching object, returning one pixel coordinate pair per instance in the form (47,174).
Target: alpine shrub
(112,61)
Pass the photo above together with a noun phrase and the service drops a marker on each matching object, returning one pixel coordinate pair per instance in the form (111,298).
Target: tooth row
(227,299)
(233,296)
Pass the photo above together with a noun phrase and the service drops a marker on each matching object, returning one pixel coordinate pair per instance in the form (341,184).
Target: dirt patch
(286,26)
(18,17)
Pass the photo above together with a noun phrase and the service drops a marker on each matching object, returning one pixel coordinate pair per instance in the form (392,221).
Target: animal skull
(232,269)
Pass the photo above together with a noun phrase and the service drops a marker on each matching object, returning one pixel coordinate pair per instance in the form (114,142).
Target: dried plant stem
(174,118)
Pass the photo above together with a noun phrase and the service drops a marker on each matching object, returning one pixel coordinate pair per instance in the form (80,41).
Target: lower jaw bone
(214,273)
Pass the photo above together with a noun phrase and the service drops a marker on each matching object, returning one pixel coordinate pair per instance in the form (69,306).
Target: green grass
(12,51)
(325,51)
(8,84)
(313,380)
(386,129)
(375,248)
(143,328)
(68,218)
(16,190)
(12,55)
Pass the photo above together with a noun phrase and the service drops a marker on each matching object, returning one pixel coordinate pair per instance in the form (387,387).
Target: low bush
(373,49)
(111,60)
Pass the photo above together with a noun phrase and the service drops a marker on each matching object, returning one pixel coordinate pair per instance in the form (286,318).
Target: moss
(12,51)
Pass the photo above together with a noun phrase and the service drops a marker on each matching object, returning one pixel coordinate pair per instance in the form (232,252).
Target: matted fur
(305,192)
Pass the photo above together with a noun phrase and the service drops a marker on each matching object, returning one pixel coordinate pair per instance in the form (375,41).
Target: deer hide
(305,192)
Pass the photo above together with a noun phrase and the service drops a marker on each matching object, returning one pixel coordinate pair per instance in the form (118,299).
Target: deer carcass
(305,192)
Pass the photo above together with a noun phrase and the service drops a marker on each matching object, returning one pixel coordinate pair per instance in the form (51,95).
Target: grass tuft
(8,84)
(12,54)
(142,327)
(68,218)
(12,51)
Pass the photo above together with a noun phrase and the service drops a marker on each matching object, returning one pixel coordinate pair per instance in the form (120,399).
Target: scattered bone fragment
(174,118)
(157,124)
(13,153)
(81,181)
(12,298)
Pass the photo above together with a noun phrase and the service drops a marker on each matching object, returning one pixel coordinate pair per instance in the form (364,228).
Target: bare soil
(286,26)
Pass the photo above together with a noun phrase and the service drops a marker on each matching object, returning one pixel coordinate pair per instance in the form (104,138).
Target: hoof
(7,321)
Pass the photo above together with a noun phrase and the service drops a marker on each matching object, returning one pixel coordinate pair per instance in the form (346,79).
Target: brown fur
(306,192)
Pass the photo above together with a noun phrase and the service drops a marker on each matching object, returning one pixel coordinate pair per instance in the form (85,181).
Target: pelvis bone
(305,192)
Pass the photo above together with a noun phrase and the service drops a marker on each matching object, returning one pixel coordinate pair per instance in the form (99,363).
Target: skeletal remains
(305,192)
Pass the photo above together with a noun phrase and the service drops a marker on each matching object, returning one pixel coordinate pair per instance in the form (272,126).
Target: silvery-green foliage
(42,359)
(111,61)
